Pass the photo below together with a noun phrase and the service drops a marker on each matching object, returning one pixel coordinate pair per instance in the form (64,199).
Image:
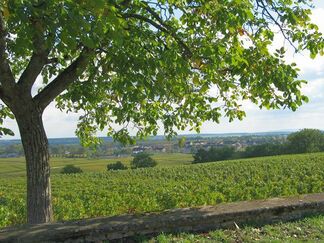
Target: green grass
(154,189)
(310,229)
(16,166)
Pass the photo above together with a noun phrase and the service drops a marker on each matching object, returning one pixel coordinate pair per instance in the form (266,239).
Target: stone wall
(200,219)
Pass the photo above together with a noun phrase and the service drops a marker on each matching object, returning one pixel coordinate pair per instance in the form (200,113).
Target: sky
(310,115)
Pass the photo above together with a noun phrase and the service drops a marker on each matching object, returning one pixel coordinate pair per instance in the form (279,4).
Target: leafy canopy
(118,165)
(143,160)
(213,154)
(306,141)
(142,64)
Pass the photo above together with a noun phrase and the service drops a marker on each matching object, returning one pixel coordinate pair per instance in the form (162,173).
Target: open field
(16,166)
(134,191)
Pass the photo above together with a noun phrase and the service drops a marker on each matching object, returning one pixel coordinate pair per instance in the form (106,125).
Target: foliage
(138,62)
(267,149)
(306,141)
(143,160)
(133,191)
(71,169)
(303,141)
(116,166)
(5,113)
(225,153)
(213,154)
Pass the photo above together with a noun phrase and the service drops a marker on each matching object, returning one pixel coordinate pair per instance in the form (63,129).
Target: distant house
(137,150)
(141,149)
(160,149)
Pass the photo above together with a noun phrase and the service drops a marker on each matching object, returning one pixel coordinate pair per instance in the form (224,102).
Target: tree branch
(163,27)
(7,79)
(64,79)
(39,58)
(147,20)
(33,69)
(269,15)
(4,97)
(186,49)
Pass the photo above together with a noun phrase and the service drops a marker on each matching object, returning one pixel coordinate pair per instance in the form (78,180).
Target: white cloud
(59,124)
(303,60)
(314,88)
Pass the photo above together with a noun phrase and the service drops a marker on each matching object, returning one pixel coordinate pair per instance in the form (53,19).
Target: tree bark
(35,143)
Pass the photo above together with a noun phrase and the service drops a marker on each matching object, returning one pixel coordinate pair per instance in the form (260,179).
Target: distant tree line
(304,141)
(13,150)
(214,154)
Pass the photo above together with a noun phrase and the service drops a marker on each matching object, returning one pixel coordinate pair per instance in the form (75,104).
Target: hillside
(16,166)
(133,191)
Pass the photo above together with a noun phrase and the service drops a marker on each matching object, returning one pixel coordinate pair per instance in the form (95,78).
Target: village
(71,148)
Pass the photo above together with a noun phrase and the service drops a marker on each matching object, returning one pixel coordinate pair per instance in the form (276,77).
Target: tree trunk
(35,143)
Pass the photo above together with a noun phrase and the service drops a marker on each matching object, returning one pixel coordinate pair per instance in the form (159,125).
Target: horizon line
(183,134)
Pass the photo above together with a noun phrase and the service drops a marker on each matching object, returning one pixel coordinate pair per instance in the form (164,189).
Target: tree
(143,160)
(306,141)
(267,149)
(213,154)
(71,169)
(116,166)
(135,63)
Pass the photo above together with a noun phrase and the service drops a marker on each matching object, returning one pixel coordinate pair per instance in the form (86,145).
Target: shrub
(306,141)
(71,169)
(213,154)
(117,166)
(267,149)
(143,160)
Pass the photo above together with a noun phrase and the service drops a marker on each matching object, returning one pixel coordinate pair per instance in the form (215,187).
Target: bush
(306,141)
(117,166)
(213,154)
(71,169)
(267,149)
(143,160)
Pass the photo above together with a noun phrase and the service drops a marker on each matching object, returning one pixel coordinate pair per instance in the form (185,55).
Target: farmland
(16,166)
(103,193)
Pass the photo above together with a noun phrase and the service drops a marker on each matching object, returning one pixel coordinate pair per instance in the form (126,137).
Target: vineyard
(134,191)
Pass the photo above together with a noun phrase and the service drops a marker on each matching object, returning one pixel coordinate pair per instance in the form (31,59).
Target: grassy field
(105,193)
(307,230)
(16,166)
